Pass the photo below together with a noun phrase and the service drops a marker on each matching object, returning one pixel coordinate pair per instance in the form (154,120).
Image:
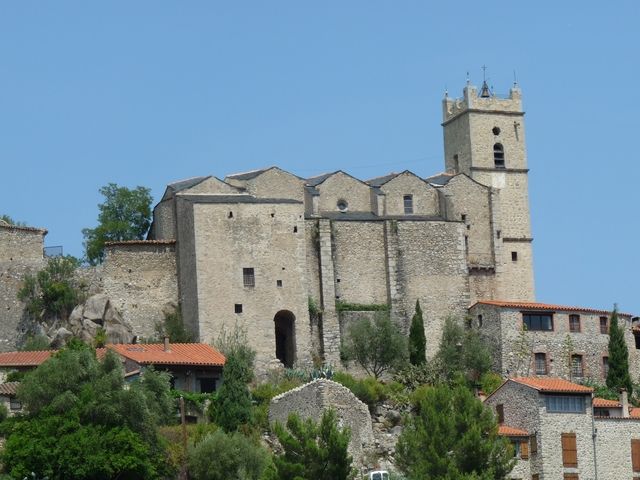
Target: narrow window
(635,455)
(516,449)
(500,413)
(278,283)
(408,203)
(295,229)
(569,450)
(463,217)
(248,277)
(524,449)
(533,441)
(456,163)
(498,233)
(498,155)
(574,323)
(230,215)
(604,325)
(605,367)
(514,256)
(576,366)
(480,321)
(541,363)
(238,308)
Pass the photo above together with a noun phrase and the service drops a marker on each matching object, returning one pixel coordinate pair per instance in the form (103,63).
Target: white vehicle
(377,475)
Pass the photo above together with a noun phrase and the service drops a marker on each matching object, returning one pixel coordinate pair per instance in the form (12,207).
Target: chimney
(166,343)
(624,401)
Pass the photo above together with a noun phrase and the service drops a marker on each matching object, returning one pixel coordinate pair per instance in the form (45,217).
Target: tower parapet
(452,107)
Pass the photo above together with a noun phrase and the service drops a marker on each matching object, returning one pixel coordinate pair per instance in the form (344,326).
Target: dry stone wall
(312,399)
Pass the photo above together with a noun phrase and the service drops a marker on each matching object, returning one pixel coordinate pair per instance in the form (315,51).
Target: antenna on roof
(515,80)
(468,81)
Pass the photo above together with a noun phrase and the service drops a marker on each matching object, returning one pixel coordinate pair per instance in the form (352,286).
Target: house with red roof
(541,339)
(560,431)
(194,367)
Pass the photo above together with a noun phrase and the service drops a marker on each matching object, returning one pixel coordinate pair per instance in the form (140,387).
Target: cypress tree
(417,339)
(618,375)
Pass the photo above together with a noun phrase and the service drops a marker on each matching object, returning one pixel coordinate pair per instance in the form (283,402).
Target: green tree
(313,451)
(452,436)
(82,423)
(376,346)
(173,327)
(219,456)
(125,214)
(417,338)
(463,353)
(234,343)
(618,375)
(233,404)
(53,292)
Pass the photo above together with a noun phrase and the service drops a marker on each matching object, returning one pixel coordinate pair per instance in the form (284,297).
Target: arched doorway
(285,337)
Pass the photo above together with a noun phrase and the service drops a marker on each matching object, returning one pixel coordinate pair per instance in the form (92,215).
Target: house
(541,339)
(562,432)
(194,367)
(8,397)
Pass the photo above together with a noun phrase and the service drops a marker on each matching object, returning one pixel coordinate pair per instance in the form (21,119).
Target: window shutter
(524,449)
(635,454)
(569,450)
(500,412)
(534,444)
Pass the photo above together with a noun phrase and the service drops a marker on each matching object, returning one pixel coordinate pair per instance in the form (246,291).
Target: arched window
(498,155)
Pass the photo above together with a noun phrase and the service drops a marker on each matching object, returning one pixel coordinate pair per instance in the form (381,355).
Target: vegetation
(361,307)
(417,338)
(463,353)
(173,327)
(6,218)
(82,423)
(376,346)
(234,343)
(125,214)
(618,375)
(452,436)
(53,292)
(312,451)
(233,406)
(219,456)
(35,343)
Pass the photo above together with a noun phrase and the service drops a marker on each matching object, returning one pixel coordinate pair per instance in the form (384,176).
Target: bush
(489,382)
(4,412)
(233,405)
(368,390)
(221,456)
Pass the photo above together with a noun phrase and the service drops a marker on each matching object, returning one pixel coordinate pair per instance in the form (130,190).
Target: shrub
(221,456)
(368,390)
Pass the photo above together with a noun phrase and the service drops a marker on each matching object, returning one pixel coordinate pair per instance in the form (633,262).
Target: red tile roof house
(564,432)
(542,349)
(194,367)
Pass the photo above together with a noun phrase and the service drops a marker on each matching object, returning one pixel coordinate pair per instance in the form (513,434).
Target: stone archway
(285,333)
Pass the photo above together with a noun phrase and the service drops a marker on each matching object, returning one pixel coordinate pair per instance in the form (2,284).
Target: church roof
(317,180)
(440,179)
(379,181)
(250,174)
(187,183)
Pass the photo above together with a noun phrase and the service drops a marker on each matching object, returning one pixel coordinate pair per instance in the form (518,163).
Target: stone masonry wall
(310,401)
(359,262)
(140,279)
(343,187)
(424,196)
(270,238)
(21,253)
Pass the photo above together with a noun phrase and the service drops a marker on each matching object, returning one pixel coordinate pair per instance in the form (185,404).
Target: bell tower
(484,138)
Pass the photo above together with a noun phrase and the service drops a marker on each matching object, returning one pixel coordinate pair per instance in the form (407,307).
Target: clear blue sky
(148,92)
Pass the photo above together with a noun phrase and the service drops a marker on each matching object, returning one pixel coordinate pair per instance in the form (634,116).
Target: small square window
(238,308)
(463,217)
(248,277)
(514,256)
(278,283)
(577,369)
(14,403)
(574,323)
(408,203)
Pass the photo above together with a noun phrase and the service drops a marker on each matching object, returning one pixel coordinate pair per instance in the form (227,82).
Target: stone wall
(21,253)
(613,446)
(341,186)
(140,279)
(312,399)
(424,197)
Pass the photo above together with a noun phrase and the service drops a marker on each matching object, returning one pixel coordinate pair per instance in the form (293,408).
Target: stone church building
(257,248)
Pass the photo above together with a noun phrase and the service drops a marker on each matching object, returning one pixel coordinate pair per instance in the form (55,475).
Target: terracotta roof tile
(604,403)
(24,359)
(9,389)
(511,431)
(634,412)
(546,306)
(178,354)
(552,385)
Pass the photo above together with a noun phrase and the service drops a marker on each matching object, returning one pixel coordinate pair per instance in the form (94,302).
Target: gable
(342,187)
